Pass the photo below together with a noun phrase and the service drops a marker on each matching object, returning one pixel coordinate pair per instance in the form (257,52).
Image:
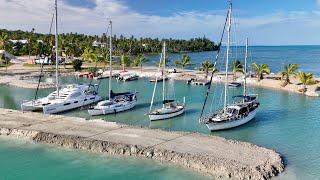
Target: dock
(211,155)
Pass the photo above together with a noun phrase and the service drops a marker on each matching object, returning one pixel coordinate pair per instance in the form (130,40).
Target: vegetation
(260,69)
(305,79)
(236,67)
(139,60)
(125,61)
(74,44)
(288,70)
(207,66)
(77,65)
(184,61)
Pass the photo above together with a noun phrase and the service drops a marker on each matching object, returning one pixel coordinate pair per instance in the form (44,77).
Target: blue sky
(265,22)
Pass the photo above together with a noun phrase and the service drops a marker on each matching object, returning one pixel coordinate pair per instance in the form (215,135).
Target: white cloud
(276,28)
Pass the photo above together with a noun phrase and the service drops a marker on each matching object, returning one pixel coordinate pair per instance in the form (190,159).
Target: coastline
(211,155)
(16,74)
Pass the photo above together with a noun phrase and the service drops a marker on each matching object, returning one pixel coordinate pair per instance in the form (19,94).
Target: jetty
(211,155)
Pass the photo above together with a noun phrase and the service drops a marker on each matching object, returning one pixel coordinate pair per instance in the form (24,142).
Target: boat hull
(112,109)
(157,117)
(59,107)
(230,124)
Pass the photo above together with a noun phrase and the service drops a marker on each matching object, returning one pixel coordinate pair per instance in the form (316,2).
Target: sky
(264,22)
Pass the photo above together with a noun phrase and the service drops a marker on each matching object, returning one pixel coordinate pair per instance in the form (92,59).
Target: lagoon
(286,122)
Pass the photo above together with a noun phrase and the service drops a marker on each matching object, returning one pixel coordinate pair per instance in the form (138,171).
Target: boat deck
(215,156)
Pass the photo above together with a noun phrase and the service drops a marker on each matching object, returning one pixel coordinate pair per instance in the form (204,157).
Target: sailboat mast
(163,70)
(227,58)
(56,46)
(245,69)
(110,58)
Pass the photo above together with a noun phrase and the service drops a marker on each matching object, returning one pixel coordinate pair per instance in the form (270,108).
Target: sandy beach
(27,77)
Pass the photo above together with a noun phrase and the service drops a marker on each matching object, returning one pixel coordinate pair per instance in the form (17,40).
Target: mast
(227,58)
(245,69)
(163,70)
(56,47)
(110,63)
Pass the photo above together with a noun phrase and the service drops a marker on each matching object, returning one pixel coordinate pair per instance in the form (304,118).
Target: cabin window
(75,95)
(92,98)
(76,102)
(66,104)
(85,99)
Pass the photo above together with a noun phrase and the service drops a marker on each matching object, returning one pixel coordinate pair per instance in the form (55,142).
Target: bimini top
(120,94)
(167,101)
(246,98)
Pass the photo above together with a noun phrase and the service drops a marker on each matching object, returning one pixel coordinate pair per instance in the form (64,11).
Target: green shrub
(77,64)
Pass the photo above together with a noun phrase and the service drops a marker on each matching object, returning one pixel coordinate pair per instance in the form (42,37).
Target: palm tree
(89,55)
(125,62)
(184,61)
(236,67)
(139,60)
(206,66)
(288,70)
(260,69)
(3,41)
(305,79)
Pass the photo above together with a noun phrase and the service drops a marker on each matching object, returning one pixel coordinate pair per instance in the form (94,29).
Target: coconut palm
(207,66)
(305,79)
(184,61)
(3,40)
(260,69)
(236,67)
(125,61)
(89,55)
(288,70)
(139,60)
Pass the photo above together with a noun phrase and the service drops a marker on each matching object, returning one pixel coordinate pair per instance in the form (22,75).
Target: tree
(260,69)
(125,61)
(139,60)
(207,66)
(184,61)
(236,66)
(305,79)
(288,70)
(77,65)
(89,55)
(3,41)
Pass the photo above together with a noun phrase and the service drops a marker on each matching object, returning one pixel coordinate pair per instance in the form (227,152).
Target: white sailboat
(64,99)
(239,112)
(170,108)
(117,102)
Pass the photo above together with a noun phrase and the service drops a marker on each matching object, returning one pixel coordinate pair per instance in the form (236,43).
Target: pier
(211,155)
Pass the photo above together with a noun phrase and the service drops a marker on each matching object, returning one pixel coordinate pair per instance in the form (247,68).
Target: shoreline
(211,155)
(15,78)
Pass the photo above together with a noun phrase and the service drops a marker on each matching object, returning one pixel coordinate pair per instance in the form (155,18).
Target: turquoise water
(26,160)
(286,122)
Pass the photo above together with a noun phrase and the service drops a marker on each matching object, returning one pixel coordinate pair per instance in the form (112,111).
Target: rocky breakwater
(215,156)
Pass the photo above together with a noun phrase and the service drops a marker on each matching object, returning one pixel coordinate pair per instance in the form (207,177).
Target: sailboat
(170,108)
(69,97)
(244,107)
(117,102)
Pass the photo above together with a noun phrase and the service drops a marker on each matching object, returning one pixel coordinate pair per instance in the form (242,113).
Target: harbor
(233,159)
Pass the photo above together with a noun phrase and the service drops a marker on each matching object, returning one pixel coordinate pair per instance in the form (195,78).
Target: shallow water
(26,160)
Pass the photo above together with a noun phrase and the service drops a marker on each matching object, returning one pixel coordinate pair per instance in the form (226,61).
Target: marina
(147,93)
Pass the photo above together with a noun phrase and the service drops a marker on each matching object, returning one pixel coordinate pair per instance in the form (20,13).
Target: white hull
(60,107)
(155,117)
(103,110)
(230,124)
